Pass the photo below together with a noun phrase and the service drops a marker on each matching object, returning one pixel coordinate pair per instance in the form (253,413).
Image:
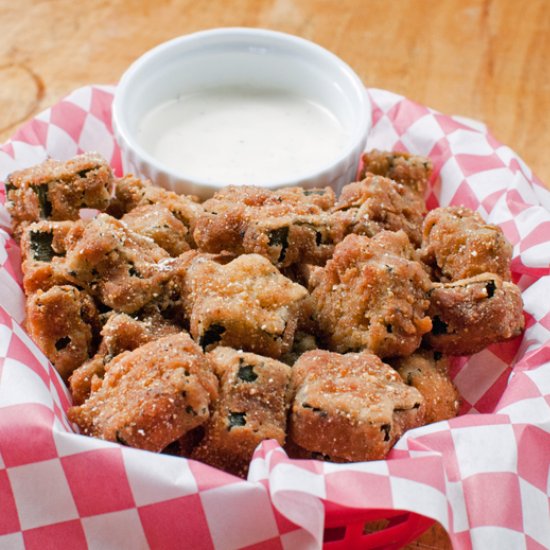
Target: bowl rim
(127,140)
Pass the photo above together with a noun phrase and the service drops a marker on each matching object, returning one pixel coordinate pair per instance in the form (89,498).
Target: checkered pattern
(484,475)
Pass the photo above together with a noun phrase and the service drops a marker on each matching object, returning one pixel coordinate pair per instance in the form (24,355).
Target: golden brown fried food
(351,406)
(378,203)
(295,451)
(109,301)
(124,333)
(131,192)
(458,244)
(373,295)
(470,314)
(410,170)
(56,190)
(88,377)
(122,269)
(286,226)
(428,372)
(63,321)
(304,274)
(158,223)
(245,304)
(120,333)
(254,399)
(151,396)
(43,248)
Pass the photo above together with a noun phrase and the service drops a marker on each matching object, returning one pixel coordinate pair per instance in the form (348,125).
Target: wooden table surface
(483,59)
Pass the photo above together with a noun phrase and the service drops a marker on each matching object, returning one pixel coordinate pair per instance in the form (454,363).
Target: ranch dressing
(242,135)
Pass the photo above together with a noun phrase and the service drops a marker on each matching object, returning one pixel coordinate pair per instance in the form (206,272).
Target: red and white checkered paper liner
(484,475)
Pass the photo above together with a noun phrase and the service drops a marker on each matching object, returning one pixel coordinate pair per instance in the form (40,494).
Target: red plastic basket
(345,528)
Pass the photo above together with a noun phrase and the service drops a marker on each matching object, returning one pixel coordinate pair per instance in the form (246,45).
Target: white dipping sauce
(242,135)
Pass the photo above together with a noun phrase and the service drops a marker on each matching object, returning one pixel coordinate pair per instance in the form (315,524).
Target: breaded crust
(286,226)
(122,269)
(245,304)
(120,333)
(428,372)
(254,399)
(351,406)
(43,248)
(158,223)
(373,295)
(457,244)
(131,192)
(471,314)
(56,190)
(410,170)
(296,452)
(87,376)
(151,396)
(63,321)
(377,203)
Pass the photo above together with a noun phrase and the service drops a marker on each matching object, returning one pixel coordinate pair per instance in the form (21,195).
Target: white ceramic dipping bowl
(229,57)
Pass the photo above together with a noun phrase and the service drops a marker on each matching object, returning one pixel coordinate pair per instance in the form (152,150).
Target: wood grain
(478,58)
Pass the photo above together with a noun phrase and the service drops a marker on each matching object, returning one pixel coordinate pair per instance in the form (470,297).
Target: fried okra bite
(377,203)
(252,406)
(286,226)
(470,314)
(457,244)
(119,333)
(150,396)
(131,192)
(43,248)
(122,332)
(55,190)
(428,372)
(88,377)
(121,268)
(245,304)
(411,170)
(352,407)
(63,322)
(373,295)
(158,223)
